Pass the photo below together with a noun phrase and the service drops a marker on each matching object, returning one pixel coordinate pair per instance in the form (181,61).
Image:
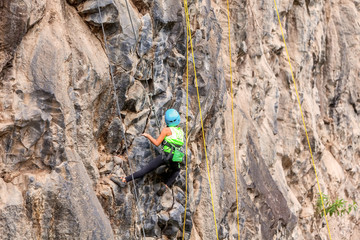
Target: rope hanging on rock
(119,114)
(202,125)
(302,117)
(187,127)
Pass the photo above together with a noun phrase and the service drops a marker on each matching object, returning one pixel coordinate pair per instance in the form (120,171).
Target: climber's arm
(165,132)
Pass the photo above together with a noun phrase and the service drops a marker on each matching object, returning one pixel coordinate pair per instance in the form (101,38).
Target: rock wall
(62,139)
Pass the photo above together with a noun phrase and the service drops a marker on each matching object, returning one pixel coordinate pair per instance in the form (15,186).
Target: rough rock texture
(62,139)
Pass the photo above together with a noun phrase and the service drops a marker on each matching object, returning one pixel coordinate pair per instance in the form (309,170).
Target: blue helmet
(172,118)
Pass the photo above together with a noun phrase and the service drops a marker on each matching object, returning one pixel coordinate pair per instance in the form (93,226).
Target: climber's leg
(153,164)
(175,170)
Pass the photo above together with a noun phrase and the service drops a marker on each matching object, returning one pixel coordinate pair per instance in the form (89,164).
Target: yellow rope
(202,126)
(233,124)
(186,135)
(303,120)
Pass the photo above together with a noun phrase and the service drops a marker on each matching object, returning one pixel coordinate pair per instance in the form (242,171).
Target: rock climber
(172,138)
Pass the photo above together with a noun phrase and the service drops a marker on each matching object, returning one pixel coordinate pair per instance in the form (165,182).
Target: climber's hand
(145,135)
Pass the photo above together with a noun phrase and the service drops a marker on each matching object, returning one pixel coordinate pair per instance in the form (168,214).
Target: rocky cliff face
(62,140)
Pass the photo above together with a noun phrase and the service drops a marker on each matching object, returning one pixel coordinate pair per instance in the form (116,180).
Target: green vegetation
(339,207)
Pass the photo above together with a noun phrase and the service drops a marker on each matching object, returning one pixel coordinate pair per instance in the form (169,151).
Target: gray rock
(37,12)
(276,210)
(146,36)
(162,44)
(126,27)
(90,11)
(171,231)
(243,49)
(57,107)
(165,12)
(143,6)
(39,132)
(75,2)
(163,218)
(135,124)
(137,96)
(68,203)
(143,70)
(175,215)
(44,66)
(188,222)
(120,49)
(223,232)
(140,152)
(150,225)
(162,102)
(12,212)
(115,135)
(32,133)
(122,83)
(13,22)
(118,161)
(136,119)
(180,181)
(108,168)
(179,195)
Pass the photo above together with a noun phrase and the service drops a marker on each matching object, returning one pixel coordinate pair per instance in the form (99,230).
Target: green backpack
(178,155)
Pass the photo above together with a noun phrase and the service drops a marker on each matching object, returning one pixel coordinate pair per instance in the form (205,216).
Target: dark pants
(155,163)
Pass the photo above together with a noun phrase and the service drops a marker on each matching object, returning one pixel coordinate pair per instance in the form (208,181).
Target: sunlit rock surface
(62,137)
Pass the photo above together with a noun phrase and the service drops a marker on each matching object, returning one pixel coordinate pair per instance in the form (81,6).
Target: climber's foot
(163,189)
(120,181)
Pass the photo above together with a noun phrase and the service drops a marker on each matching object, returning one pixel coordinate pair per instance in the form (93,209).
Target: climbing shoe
(118,181)
(161,191)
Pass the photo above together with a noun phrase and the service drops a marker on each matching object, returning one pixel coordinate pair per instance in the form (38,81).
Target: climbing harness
(119,114)
(178,155)
(233,125)
(302,117)
(202,125)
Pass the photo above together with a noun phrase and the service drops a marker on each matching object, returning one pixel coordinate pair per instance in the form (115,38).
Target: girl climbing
(173,138)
